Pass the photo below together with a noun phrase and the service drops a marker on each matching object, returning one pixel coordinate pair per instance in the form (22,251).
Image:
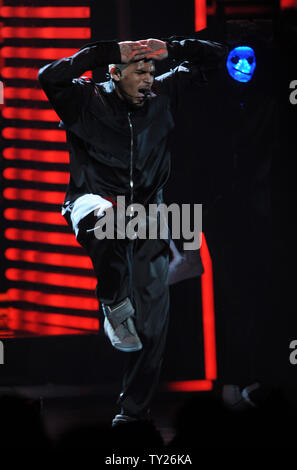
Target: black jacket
(109,143)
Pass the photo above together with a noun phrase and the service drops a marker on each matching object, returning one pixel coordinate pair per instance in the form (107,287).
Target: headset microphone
(145,92)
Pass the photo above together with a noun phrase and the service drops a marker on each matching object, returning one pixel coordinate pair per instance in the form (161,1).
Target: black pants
(137,269)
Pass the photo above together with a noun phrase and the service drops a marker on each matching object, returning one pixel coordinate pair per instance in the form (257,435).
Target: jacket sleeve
(206,54)
(59,79)
(197,58)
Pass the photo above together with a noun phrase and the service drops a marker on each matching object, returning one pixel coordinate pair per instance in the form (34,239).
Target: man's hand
(157,50)
(132,51)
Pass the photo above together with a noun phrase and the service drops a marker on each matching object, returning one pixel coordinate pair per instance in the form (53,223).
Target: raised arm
(66,92)
(207,54)
(195,57)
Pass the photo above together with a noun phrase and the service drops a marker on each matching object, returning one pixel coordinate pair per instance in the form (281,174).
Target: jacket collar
(121,105)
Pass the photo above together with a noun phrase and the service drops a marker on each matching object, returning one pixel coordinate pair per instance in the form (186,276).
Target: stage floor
(68,407)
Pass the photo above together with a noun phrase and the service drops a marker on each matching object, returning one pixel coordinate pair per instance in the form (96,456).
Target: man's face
(135,82)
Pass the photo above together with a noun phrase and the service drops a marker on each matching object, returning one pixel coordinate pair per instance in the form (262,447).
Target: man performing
(117,134)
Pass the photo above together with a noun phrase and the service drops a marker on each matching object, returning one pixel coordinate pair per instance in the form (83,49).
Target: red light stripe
(247,10)
(54,218)
(200,15)
(31,94)
(288,4)
(48,197)
(19,72)
(55,177)
(45,12)
(47,330)
(51,135)
(208,313)
(46,32)
(7,334)
(190,386)
(50,156)
(4,297)
(30,114)
(54,300)
(54,279)
(36,52)
(36,236)
(24,94)
(67,321)
(52,259)
(211,9)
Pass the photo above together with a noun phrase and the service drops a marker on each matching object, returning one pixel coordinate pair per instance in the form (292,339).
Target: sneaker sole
(131,349)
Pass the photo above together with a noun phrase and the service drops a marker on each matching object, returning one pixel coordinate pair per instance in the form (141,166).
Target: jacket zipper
(131,160)
(131,244)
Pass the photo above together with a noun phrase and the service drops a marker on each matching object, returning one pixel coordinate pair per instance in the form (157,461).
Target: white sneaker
(122,419)
(119,326)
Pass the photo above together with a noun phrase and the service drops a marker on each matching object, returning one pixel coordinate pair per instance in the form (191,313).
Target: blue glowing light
(241,63)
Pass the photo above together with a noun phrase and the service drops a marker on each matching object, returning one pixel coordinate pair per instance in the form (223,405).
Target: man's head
(133,81)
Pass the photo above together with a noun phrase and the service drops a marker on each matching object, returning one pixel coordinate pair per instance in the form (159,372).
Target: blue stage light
(241,63)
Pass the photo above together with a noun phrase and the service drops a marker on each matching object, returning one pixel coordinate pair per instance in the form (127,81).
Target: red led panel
(211,9)
(50,156)
(48,197)
(54,177)
(190,386)
(208,313)
(19,72)
(200,15)
(38,322)
(19,317)
(54,279)
(30,114)
(288,4)
(47,33)
(36,236)
(26,215)
(48,135)
(54,300)
(32,94)
(53,259)
(248,9)
(46,53)
(25,94)
(45,12)
(47,330)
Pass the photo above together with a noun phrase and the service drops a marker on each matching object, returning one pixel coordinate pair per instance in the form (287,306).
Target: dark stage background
(234,151)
